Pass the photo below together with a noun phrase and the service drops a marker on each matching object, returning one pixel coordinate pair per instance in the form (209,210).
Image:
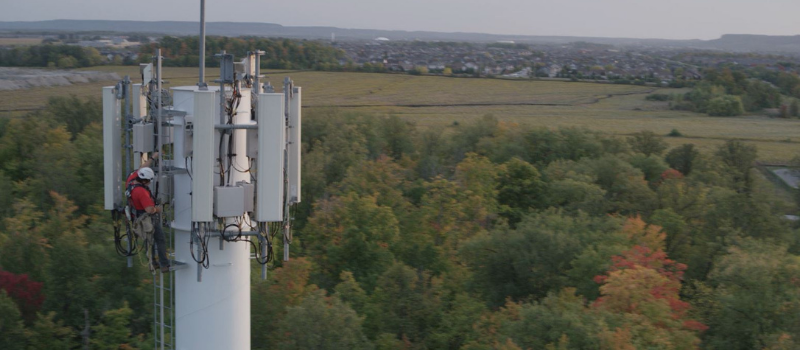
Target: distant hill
(763,43)
(729,42)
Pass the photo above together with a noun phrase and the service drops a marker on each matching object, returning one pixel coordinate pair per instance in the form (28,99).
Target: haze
(675,19)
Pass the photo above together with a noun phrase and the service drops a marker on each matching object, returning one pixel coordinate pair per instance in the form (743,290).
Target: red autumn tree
(643,285)
(25,292)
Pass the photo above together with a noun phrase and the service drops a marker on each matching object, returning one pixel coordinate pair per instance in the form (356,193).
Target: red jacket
(140,196)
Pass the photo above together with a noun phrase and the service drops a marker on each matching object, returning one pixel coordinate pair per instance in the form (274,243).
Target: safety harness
(140,220)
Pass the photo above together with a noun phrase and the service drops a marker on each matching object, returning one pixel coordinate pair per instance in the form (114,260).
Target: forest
(730,92)
(182,52)
(278,53)
(482,235)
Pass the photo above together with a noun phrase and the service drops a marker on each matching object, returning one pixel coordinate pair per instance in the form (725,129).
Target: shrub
(657,97)
(725,106)
(675,133)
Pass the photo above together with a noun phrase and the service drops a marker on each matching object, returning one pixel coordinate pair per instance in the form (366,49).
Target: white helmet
(146,173)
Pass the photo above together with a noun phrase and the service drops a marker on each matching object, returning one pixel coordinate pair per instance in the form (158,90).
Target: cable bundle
(123,247)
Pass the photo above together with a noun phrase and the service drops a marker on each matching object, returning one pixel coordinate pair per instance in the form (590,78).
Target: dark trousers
(160,244)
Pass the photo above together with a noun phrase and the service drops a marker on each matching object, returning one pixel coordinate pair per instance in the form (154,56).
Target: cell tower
(227,178)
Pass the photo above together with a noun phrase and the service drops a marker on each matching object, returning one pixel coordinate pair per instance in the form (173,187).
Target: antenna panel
(205,108)
(269,163)
(294,145)
(139,102)
(147,72)
(112,148)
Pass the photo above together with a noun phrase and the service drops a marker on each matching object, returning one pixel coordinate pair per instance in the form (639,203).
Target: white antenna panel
(112,148)
(139,102)
(147,72)
(269,163)
(250,64)
(205,112)
(295,145)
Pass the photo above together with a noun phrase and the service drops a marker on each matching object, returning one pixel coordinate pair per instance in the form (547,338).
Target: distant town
(636,64)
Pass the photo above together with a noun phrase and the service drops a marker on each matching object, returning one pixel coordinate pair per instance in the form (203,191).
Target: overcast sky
(669,19)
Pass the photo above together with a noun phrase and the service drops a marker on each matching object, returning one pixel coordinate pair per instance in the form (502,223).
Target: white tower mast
(230,166)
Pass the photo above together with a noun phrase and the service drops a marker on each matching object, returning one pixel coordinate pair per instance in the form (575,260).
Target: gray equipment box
(228,201)
(143,138)
(226,68)
(249,195)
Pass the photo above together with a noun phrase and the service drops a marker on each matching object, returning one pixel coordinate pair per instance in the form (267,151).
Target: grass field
(431,101)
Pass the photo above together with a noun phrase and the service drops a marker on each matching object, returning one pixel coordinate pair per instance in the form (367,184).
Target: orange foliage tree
(642,286)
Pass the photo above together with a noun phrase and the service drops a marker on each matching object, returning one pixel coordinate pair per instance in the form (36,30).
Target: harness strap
(129,194)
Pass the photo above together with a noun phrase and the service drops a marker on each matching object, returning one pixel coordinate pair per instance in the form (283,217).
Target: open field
(432,101)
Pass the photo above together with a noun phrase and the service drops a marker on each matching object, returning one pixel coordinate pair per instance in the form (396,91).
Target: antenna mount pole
(202,82)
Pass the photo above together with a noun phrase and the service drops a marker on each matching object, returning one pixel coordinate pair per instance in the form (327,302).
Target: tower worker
(140,198)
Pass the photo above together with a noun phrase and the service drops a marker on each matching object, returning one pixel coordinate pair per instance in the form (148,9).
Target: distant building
(554,70)
(380,38)
(96,43)
(116,42)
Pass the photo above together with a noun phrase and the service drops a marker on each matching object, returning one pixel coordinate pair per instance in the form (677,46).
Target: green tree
(22,138)
(11,327)
(46,333)
(405,303)
(739,158)
(89,158)
(418,70)
(6,200)
(384,179)
(93,56)
(68,287)
(286,286)
(73,112)
(725,106)
(678,236)
(794,109)
(520,188)
(350,292)
(113,332)
(760,95)
(449,214)
(573,196)
(322,322)
(397,134)
(56,169)
(559,321)
(754,298)
(67,62)
(432,149)
(457,323)
(647,143)
(477,176)
(651,166)
(351,233)
(626,189)
(467,137)
(545,146)
(534,258)
(682,158)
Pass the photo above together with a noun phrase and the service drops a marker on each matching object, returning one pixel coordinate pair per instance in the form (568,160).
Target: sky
(667,19)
